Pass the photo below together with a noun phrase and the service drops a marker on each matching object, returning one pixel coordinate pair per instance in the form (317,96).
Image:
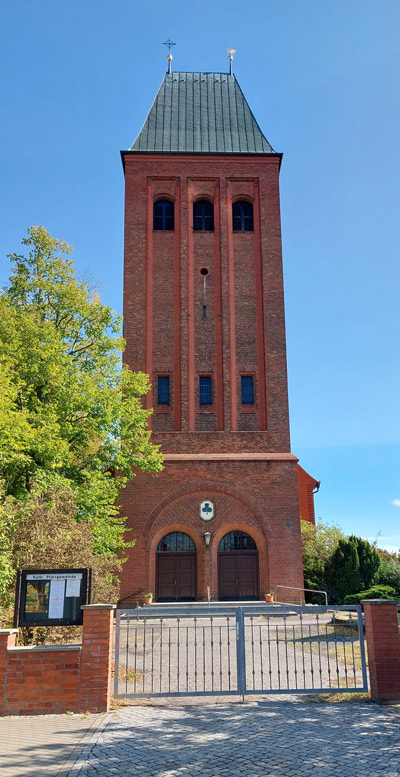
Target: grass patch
(327,698)
(335,641)
(126,674)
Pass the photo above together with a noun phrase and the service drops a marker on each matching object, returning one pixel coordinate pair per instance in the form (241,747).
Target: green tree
(7,570)
(70,416)
(318,542)
(353,566)
(369,560)
(42,531)
(344,570)
(15,432)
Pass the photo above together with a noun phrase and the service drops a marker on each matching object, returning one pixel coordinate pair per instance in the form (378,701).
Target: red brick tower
(204,317)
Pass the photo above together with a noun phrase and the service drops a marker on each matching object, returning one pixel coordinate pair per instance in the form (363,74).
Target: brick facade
(257,497)
(164,295)
(224,324)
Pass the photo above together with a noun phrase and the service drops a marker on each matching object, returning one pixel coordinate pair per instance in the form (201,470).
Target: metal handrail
(293,588)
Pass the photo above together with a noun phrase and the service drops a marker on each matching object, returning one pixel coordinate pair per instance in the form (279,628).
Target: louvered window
(203,216)
(163,215)
(163,390)
(205,390)
(247,390)
(242,216)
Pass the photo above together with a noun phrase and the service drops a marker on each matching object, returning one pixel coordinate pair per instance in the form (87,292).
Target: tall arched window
(237,540)
(242,216)
(163,215)
(203,216)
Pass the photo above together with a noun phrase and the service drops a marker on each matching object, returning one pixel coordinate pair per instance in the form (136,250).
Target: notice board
(51,597)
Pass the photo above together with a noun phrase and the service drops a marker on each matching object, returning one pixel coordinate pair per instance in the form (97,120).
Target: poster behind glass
(47,597)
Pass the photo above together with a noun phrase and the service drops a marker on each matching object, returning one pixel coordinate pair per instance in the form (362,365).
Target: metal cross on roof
(169,43)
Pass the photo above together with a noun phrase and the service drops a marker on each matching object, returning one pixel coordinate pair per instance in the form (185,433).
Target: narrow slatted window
(242,216)
(203,216)
(163,215)
(163,390)
(205,390)
(247,390)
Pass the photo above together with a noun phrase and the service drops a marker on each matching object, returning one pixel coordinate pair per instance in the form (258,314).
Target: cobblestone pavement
(256,739)
(43,744)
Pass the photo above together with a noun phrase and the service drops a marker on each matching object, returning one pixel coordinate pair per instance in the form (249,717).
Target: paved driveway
(258,739)
(43,745)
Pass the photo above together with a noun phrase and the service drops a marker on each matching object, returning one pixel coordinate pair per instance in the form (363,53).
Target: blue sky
(323,80)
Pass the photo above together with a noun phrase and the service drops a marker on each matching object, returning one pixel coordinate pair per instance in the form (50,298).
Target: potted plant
(148,598)
(269,597)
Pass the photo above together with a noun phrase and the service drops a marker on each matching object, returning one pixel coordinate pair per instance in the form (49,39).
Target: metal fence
(251,649)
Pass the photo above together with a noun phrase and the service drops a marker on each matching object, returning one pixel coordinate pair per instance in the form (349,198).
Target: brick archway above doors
(231,514)
(172,503)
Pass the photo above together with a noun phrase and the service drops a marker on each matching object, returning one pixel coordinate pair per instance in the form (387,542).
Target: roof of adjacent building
(202,113)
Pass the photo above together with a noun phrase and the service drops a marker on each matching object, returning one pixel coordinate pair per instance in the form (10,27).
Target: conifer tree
(353,566)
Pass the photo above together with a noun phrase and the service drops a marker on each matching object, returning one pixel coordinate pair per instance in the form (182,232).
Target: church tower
(204,317)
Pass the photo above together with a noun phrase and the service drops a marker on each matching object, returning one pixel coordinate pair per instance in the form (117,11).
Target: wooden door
(176,577)
(238,575)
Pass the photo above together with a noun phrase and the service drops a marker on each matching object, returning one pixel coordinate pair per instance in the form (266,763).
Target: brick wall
(96,655)
(383,643)
(42,679)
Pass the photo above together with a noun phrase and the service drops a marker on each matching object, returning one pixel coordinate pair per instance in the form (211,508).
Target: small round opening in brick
(204,271)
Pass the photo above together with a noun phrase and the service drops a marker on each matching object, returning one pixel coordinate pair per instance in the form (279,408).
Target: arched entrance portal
(237,567)
(176,568)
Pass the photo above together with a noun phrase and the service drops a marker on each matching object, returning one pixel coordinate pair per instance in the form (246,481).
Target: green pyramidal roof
(201,113)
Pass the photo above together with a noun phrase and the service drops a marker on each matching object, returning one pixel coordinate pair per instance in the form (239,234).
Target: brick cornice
(170,457)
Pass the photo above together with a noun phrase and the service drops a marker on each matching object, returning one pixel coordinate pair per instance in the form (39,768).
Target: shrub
(42,532)
(376,592)
(389,573)
(318,543)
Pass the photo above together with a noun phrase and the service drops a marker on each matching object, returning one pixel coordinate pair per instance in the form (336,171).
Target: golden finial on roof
(231,52)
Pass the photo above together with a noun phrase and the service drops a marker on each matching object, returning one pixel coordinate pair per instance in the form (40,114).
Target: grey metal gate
(251,649)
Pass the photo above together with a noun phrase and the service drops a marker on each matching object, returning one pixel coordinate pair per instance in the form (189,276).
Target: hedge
(376,592)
